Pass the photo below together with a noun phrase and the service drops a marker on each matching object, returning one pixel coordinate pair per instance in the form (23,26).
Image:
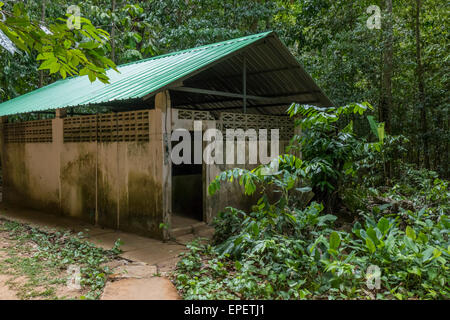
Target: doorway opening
(187,192)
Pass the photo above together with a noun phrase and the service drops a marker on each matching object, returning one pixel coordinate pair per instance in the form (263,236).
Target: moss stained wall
(115,184)
(77,180)
(29,178)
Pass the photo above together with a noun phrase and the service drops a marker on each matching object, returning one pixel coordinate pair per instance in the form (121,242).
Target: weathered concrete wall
(77,180)
(113,184)
(29,176)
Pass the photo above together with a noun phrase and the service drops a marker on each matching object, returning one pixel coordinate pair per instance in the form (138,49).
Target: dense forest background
(401,68)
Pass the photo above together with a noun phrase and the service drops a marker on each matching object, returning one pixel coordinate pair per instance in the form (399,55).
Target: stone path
(139,289)
(141,275)
(133,281)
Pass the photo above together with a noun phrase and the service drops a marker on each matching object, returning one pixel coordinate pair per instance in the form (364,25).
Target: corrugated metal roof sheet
(134,81)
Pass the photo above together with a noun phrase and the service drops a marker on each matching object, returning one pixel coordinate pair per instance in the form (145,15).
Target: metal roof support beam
(274,99)
(184,103)
(248,107)
(219,93)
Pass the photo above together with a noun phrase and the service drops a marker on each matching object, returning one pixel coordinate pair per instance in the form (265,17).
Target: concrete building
(101,152)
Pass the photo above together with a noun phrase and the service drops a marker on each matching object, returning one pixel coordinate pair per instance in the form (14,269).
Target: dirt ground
(15,286)
(139,272)
(22,277)
(129,280)
(5,292)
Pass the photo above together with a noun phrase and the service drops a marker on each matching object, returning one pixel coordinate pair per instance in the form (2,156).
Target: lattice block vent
(28,132)
(194,115)
(229,120)
(110,127)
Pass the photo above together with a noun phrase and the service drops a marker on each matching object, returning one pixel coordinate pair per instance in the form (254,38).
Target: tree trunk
(254,25)
(447,152)
(41,72)
(421,88)
(386,83)
(113,32)
(386,91)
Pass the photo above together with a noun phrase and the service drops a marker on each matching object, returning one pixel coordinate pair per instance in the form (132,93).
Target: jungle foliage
(373,243)
(377,172)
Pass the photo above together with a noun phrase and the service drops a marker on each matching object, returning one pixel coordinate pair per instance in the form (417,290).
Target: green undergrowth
(307,256)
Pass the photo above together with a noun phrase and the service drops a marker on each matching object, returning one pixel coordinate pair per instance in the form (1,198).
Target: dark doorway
(187,192)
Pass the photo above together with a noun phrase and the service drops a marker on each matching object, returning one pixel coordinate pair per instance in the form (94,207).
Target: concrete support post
(60,113)
(58,145)
(160,141)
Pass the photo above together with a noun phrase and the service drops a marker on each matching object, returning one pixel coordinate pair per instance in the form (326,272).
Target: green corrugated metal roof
(134,81)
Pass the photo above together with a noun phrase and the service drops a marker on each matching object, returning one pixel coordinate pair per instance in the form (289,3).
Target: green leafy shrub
(328,146)
(262,255)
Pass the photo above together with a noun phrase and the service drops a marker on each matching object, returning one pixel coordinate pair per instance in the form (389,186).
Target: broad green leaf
(91,76)
(410,233)
(415,270)
(370,245)
(422,237)
(427,254)
(373,125)
(335,240)
(255,229)
(372,235)
(380,130)
(436,253)
(322,220)
(54,67)
(67,44)
(47,64)
(383,225)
